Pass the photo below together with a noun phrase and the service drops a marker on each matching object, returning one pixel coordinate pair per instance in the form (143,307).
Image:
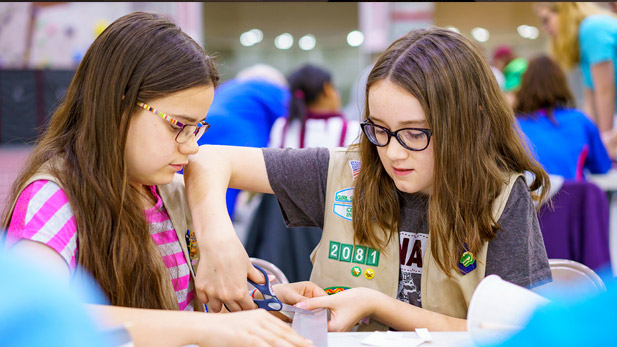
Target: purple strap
(322,116)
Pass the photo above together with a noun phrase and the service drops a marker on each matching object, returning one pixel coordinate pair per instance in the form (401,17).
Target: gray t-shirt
(517,254)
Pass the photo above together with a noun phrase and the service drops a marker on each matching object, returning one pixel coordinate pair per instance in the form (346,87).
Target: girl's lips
(401,172)
(176,167)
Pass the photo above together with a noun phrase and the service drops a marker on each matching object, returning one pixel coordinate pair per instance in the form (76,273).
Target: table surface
(439,339)
(607,181)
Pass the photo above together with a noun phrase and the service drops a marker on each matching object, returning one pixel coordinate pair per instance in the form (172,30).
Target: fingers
(202,296)
(255,275)
(315,303)
(238,300)
(216,305)
(277,333)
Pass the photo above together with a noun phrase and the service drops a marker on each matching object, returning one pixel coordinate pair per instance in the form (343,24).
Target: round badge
(356,271)
(369,273)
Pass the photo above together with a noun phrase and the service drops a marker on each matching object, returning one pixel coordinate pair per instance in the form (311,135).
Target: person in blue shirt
(244,110)
(589,321)
(56,316)
(583,33)
(563,139)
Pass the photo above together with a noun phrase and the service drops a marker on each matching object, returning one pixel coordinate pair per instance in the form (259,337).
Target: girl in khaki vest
(437,129)
(131,117)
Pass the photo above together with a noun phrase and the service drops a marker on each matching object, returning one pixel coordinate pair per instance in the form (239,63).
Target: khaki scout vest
(174,200)
(333,267)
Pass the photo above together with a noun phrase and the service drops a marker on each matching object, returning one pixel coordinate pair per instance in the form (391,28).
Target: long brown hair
(140,56)
(474,137)
(544,86)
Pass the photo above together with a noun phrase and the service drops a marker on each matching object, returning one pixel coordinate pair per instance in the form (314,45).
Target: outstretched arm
(350,306)
(149,327)
(178,328)
(224,264)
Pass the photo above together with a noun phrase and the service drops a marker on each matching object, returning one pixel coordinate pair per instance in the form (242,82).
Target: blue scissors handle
(270,302)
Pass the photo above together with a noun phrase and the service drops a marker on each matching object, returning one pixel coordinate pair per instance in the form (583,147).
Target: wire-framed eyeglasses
(413,139)
(185,131)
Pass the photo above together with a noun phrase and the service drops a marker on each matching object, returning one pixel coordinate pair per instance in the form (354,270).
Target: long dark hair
(140,56)
(544,86)
(305,84)
(474,137)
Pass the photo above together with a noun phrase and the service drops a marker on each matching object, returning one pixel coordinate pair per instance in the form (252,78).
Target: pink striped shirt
(42,213)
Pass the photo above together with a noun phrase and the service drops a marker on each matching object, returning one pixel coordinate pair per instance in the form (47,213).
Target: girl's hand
(248,328)
(293,293)
(222,273)
(347,307)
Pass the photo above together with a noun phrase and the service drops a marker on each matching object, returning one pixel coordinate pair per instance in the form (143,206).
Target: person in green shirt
(512,68)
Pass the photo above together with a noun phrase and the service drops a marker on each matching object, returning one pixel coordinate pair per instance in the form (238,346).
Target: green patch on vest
(345,252)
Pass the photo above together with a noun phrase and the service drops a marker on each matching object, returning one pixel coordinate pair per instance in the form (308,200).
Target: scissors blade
(294,309)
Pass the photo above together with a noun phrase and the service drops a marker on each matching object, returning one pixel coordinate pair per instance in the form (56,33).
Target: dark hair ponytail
(305,84)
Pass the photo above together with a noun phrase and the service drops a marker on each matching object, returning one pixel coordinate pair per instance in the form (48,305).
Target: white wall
(63,32)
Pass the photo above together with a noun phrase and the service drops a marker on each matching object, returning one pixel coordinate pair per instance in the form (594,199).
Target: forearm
(151,327)
(603,76)
(405,317)
(208,175)
(604,99)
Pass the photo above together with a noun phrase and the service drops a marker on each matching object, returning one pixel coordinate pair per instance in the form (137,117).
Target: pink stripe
(580,163)
(34,187)
(189,298)
(157,217)
(64,235)
(21,206)
(47,211)
(165,237)
(181,283)
(175,259)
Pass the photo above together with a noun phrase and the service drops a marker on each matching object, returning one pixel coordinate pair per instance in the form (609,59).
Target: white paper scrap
(391,339)
(424,334)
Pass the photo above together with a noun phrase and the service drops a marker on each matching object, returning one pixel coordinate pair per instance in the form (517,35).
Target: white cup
(499,309)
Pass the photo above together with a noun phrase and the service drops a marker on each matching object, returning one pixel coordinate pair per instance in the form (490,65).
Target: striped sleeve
(43,214)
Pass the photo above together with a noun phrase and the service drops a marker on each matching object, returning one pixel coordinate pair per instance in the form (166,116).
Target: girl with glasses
(431,200)
(100,193)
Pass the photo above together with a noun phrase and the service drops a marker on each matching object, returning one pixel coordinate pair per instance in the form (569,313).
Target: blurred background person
(586,34)
(512,67)
(314,117)
(563,139)
(244,110)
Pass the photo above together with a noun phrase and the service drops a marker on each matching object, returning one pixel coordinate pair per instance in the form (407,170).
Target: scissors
(270,302)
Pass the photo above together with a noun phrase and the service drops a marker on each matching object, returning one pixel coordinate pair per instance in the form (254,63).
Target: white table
(440,339)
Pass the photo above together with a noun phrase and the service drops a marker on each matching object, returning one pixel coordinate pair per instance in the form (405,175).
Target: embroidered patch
(348,253)
(467,263)
(342,210)
(334,290)
(355,168)
(356,271)
(345,195)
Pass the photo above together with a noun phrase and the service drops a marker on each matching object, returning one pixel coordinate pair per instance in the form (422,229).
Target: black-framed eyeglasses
(414,139)
(185,131)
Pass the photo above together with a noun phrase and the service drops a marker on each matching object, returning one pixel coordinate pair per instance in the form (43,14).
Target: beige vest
(174,200)
(337,262)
